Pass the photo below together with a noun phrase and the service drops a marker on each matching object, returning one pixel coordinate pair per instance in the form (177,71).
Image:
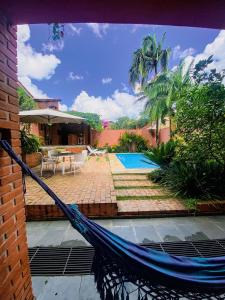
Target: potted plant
(30,145)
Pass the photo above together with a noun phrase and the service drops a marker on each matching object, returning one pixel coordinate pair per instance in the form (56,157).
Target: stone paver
(139,192)
(129,177)
(138,230)
(131,183)
(139,188)
(141,207)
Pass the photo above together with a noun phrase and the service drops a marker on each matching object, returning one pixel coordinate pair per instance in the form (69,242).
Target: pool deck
(101,190)
(118,168)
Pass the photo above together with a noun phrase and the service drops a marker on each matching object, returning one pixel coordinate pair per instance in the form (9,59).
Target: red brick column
(15,279)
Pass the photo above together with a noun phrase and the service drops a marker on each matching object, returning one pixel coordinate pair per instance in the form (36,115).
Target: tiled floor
(60,233)
(65,288)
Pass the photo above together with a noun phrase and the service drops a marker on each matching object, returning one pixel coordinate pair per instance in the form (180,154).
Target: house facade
(59,134)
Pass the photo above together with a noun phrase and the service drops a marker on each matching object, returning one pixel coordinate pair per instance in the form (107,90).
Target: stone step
(135,183)
(151,207)
(141,193)
(130,177)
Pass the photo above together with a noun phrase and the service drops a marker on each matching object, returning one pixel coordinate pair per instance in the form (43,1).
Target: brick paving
(130,177)
(139,192)
(140,206)
(151,207)
(134,183)
(94,190)
(93,185)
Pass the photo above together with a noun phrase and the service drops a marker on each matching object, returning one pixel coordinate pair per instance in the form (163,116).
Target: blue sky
(88,70)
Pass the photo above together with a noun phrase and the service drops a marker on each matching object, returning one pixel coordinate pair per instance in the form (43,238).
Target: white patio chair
(95,152)
(79,161)
(47,163)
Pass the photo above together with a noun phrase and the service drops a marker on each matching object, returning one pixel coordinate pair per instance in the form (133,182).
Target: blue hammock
(185,272)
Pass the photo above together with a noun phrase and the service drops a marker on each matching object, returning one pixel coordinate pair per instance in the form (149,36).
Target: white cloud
(32,88)
(63,107)
(98,29)
(178,53)
(73,76)
(33,64)
(106,80)
(74,29)
(53,46)
(110,108)
(215,48)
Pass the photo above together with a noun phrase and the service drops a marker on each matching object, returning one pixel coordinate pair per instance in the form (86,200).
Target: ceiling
(194,13)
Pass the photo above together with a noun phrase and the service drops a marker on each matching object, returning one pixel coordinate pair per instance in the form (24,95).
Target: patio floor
(99,192)
(92,189)
(60,233)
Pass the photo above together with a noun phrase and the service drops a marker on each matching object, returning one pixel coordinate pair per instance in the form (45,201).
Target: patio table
(64,155)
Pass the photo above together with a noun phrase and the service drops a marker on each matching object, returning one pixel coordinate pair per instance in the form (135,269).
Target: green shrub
(163,154)
(204,180)
(30,143)
(112,149)
(131,142)
(157,175)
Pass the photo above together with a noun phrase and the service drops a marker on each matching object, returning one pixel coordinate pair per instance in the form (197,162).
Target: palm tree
(155,93)
(146,62)
(162,92)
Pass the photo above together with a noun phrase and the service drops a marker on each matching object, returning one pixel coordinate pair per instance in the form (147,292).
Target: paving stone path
(136,195)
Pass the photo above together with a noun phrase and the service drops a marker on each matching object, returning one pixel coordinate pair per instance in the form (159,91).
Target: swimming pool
(135,161)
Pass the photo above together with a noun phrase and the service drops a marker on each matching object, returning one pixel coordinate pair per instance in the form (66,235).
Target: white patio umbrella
(48,116)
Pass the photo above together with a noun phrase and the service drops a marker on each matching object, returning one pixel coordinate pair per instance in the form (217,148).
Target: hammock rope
(186,272)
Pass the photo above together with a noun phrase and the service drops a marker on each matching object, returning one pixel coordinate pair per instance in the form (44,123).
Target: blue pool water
(135,161)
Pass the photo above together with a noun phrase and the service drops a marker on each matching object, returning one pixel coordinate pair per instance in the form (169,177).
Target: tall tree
(147,61)
(25,102)
(161,92)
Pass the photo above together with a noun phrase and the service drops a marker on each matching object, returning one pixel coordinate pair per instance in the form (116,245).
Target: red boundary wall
(111,137)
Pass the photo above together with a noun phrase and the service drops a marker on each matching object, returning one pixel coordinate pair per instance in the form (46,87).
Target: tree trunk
(157,132)
(156,71)
(170,125)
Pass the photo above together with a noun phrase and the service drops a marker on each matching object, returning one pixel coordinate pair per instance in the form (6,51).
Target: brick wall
(111,136)
(15,280)
(48,103)
(164,135)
